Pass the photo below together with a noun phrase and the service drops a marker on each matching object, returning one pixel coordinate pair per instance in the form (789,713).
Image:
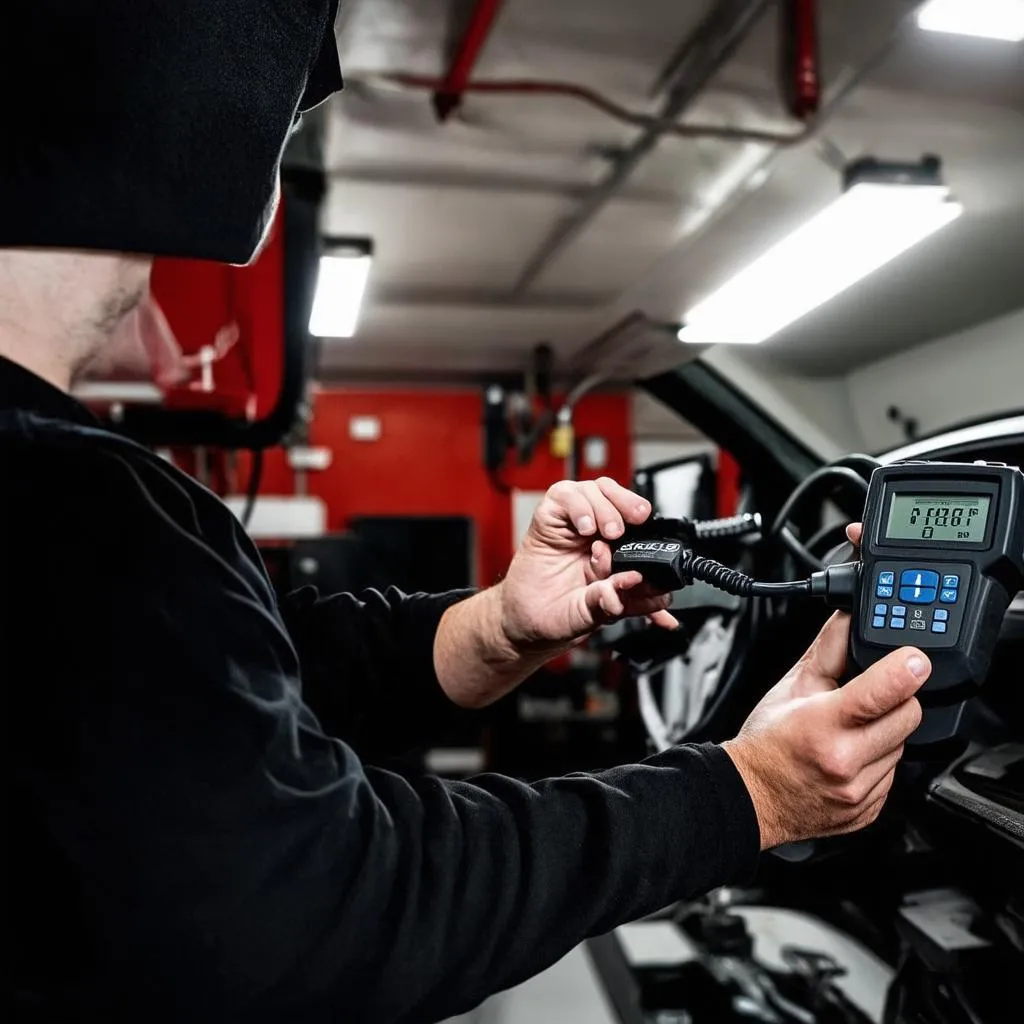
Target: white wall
(970,375)
(966,376)
(816,410)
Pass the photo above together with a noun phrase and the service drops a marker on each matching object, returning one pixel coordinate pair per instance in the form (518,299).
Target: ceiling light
(340,287)
(988,19)
(885,210)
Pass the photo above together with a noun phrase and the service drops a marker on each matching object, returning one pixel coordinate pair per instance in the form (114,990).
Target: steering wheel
(851,474)
(740,628)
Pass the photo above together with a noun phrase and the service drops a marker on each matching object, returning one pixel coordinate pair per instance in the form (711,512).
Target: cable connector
(837,585)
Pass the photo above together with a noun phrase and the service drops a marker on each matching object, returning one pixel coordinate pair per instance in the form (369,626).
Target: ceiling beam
(480,181)
(493,301)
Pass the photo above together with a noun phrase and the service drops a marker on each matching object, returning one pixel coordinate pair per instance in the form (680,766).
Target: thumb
(826,657)
(885,686)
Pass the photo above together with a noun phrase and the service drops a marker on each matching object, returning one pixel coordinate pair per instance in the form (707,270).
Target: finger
(601,559)
(664,619)
(604,599)
(638,603)
(606,515)
(891,731)
(883,687)
(876,799)
(631,506)
(876,773)
(854,533)
(870,808)
(826,658)
(571,503)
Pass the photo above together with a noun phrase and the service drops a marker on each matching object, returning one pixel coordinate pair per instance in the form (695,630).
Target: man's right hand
(817,759)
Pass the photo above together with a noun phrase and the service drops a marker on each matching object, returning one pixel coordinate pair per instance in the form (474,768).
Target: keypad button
(899,612)
(951,582)
(939,627)
(919,578)
(898,624)
(941,615)
(882,609)
(887,579)
(883,591)
(917,595)
(918,624)
(878,622)
(949,596)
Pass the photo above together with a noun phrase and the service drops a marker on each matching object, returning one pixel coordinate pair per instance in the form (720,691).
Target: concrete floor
(571,993)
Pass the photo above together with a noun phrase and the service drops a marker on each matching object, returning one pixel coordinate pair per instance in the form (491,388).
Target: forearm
(473,658)
(367,664)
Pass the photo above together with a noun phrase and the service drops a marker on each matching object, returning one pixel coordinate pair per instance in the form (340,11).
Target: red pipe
(449,96)
(800,71)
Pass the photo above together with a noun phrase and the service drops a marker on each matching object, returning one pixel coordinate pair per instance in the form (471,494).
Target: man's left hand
(560,587)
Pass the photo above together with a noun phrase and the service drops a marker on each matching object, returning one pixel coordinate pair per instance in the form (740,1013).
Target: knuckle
(561,489)
(837,764)
(850,794)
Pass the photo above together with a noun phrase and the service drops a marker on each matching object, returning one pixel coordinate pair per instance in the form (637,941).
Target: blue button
(919,578)
(887,579)
(941,615)
(883,592)
(939,627)
(917,595)
(881,609)
(949,596)
(878,622)
(899,612)
(951,582)
(898,624)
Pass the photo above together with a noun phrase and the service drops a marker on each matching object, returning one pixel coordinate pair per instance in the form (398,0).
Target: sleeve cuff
(717,822)
(742,837)
(422,614)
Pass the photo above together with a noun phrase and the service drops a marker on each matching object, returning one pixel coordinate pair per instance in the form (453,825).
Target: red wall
(199,298)
(428,461)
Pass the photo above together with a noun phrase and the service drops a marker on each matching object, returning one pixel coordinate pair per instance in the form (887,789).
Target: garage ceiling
(459,210)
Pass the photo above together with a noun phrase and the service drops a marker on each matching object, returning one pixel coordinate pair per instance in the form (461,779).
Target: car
(918,918)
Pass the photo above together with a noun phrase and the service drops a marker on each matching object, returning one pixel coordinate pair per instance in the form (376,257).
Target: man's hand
(560,586)
(819,760)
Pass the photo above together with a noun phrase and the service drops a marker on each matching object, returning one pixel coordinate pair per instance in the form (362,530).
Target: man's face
(142,346)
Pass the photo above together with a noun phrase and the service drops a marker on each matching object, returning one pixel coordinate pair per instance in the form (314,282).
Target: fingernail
(918,666)
(612,529)
(643,508)
(586,525)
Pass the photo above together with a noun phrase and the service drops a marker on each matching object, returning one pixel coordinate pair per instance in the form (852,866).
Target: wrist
(761,796)
(475,661)
(497,644)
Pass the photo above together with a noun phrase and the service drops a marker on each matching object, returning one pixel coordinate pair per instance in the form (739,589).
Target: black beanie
(154,126)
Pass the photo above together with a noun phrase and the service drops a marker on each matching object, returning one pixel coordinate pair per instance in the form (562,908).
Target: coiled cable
(733,581)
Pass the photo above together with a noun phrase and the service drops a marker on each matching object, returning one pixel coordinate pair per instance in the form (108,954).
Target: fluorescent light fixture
(340,287)
(868,226)
(986,19)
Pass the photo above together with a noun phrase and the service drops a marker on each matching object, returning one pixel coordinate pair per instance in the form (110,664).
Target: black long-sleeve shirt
(193,835)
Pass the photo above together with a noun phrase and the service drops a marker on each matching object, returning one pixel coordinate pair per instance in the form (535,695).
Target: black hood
(154,126)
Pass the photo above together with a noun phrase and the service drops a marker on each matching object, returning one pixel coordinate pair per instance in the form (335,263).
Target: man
(199,829)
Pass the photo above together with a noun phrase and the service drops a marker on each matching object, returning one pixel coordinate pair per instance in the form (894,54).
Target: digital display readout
(944,518)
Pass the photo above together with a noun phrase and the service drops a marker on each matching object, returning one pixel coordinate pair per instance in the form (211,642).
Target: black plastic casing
(991,573)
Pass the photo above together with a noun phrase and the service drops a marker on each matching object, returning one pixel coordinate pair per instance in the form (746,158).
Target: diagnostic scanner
(942,558)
